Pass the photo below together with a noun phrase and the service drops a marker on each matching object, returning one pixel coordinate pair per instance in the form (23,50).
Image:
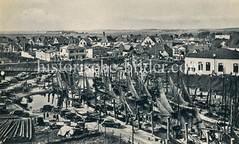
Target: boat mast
(83,76)
(235,101)
(166,81)
(231,105)
(178,97)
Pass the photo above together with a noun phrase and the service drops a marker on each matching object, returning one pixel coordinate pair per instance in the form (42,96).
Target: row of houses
(152,46)
(36,42)
(165,47)
(213,62)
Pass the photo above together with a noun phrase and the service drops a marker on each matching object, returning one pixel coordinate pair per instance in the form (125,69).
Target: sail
(171,90)
(133,64)
(162,109)
(165,102)
(109,85)
(88,86)
(143,88)
(186,93)
(180,98)
(104,80)
(117,99)
(201,124)
(127,105)
(132,89)
(176,93)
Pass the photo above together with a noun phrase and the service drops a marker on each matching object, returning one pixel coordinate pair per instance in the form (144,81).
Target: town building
(89,53)
(27,55)
(227,37)
(196,48)
(85,42)
(107,41)
(161,51)
(46,55)
(10,47)
(179,52)
(99,52)
(149,41)
(72,52)
(214,61)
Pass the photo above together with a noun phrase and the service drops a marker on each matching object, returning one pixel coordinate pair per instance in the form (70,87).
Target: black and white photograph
(119,72)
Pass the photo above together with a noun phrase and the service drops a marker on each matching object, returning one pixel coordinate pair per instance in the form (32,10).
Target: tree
(203,34)
(217,43)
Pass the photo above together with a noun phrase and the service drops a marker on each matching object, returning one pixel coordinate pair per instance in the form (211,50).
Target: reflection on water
(38,101)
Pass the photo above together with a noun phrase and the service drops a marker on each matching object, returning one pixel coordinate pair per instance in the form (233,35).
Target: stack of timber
(13,129)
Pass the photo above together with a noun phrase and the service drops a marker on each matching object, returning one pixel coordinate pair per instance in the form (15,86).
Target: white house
(26,55)
(215,61)
(72,52)
(89,53)
(45,55)
(149,41)
(222,37)
(179,52)
(85,42)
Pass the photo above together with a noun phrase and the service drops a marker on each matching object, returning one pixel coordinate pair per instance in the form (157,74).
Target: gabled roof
(5,40)
(75,47)
(24,40)
(61,39)
(94,38)
(38,38)
(122,39)
(166,37)
(216,53)
(160,47)
(168,50)
(88,40)
(191,48)
(126,47)
(153,39)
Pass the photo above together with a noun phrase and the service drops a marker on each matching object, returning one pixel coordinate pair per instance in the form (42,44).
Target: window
(235,68)
(200,66)
(220,67)
(192,69)
(208,66)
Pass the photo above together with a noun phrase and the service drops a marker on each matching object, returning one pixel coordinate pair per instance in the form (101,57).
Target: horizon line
(109,29)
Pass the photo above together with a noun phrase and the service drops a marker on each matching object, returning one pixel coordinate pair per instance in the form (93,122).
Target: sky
(43,15)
